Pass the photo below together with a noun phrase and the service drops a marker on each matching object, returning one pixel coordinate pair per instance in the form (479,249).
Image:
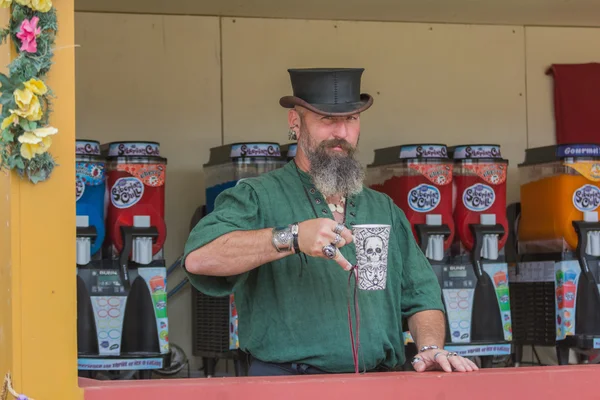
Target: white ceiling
(512,12)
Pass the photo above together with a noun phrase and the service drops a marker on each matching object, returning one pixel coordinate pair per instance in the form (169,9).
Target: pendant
(335,207)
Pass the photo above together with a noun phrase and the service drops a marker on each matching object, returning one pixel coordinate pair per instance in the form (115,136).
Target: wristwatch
(282,239)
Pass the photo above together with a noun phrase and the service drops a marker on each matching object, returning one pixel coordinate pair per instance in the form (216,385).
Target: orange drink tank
(558,185)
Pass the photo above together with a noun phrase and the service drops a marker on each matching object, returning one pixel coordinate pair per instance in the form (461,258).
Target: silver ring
(416,360)
(437,354)
(451,354)
(338,238)
(329,251)
(339,228)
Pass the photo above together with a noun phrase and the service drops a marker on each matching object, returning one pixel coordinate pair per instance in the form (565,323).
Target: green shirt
(293,311)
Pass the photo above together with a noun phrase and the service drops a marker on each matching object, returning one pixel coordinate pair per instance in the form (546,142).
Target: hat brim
(330,110)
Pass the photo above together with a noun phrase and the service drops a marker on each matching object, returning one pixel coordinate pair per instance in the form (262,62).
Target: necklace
(337,207)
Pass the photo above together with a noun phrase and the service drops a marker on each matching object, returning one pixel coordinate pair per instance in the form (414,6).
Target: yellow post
(38,314)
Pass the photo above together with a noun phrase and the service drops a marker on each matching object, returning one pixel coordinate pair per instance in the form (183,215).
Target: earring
(292,135)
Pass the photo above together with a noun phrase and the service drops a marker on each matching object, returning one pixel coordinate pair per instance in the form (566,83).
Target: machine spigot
(85,234)
(431,236)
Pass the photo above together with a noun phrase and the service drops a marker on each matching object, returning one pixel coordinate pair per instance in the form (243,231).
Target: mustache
(331,143)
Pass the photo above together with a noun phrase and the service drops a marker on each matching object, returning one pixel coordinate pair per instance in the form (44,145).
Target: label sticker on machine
(99,364)
(149,174)
(589,169)
(483,350)
(84,147)
(90,173)
(79,188)
(492,173)
(255,150)
(478,197)
(419,151)
(126,192)
(586,198)
(483,151)
(438,174)
(578,150)
(133,149)
(424,198)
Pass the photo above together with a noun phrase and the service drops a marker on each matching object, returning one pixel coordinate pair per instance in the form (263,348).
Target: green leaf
(25,124)
(7,135)
(20,164)
(7,85)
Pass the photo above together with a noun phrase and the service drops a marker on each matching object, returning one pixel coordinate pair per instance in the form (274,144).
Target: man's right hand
(315,234)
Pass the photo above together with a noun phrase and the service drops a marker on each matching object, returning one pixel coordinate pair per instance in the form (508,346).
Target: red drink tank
(418,178)
(135,188)
(480,190)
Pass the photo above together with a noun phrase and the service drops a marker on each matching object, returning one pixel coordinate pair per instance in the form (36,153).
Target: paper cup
(371,242)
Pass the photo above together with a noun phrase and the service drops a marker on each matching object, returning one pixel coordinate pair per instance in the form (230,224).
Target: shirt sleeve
(236,209)
(420,287)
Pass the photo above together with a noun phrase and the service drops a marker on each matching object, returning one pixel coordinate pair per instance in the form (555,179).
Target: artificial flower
(36,86)
(29,105)
(28,34)
(5,3)
(36,142)
(33,112)
(26,3)
(45,131)
(29,138)
(41,5)
(23,97)
(12,119)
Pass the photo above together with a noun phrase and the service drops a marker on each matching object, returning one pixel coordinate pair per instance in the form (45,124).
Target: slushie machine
(455,200)
(214,333)
(559,241)
(121,274)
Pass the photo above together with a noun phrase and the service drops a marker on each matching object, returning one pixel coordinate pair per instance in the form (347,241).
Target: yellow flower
(36,86)
(12,119)
(23,97)
(36,142)
(29,105)
(29,138)
(41,5)
(5,3)
(44,132)
(24,2)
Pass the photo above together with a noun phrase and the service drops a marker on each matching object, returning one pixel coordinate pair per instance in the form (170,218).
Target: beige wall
(159,78)
(155,78)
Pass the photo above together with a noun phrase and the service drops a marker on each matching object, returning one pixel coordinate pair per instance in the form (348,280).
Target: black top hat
(328,91)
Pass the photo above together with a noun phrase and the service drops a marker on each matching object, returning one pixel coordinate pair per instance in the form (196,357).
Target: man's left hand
(439,359)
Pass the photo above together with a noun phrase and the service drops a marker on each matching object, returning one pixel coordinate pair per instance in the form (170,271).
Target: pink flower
(28,33)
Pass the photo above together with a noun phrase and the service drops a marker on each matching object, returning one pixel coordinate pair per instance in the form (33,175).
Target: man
(282,243)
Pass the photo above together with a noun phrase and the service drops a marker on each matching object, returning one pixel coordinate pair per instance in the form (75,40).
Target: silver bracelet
(425,348)
(282,239)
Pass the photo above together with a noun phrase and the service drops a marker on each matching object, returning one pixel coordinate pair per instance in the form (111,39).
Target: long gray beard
(338,174)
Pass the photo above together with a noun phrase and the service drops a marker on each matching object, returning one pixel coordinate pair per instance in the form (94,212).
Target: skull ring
(329,251)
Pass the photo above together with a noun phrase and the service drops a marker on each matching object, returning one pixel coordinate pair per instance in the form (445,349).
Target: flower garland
(26,134)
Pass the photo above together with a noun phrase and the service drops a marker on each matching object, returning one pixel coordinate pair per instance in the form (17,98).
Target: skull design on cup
(373,249)
(371,243)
